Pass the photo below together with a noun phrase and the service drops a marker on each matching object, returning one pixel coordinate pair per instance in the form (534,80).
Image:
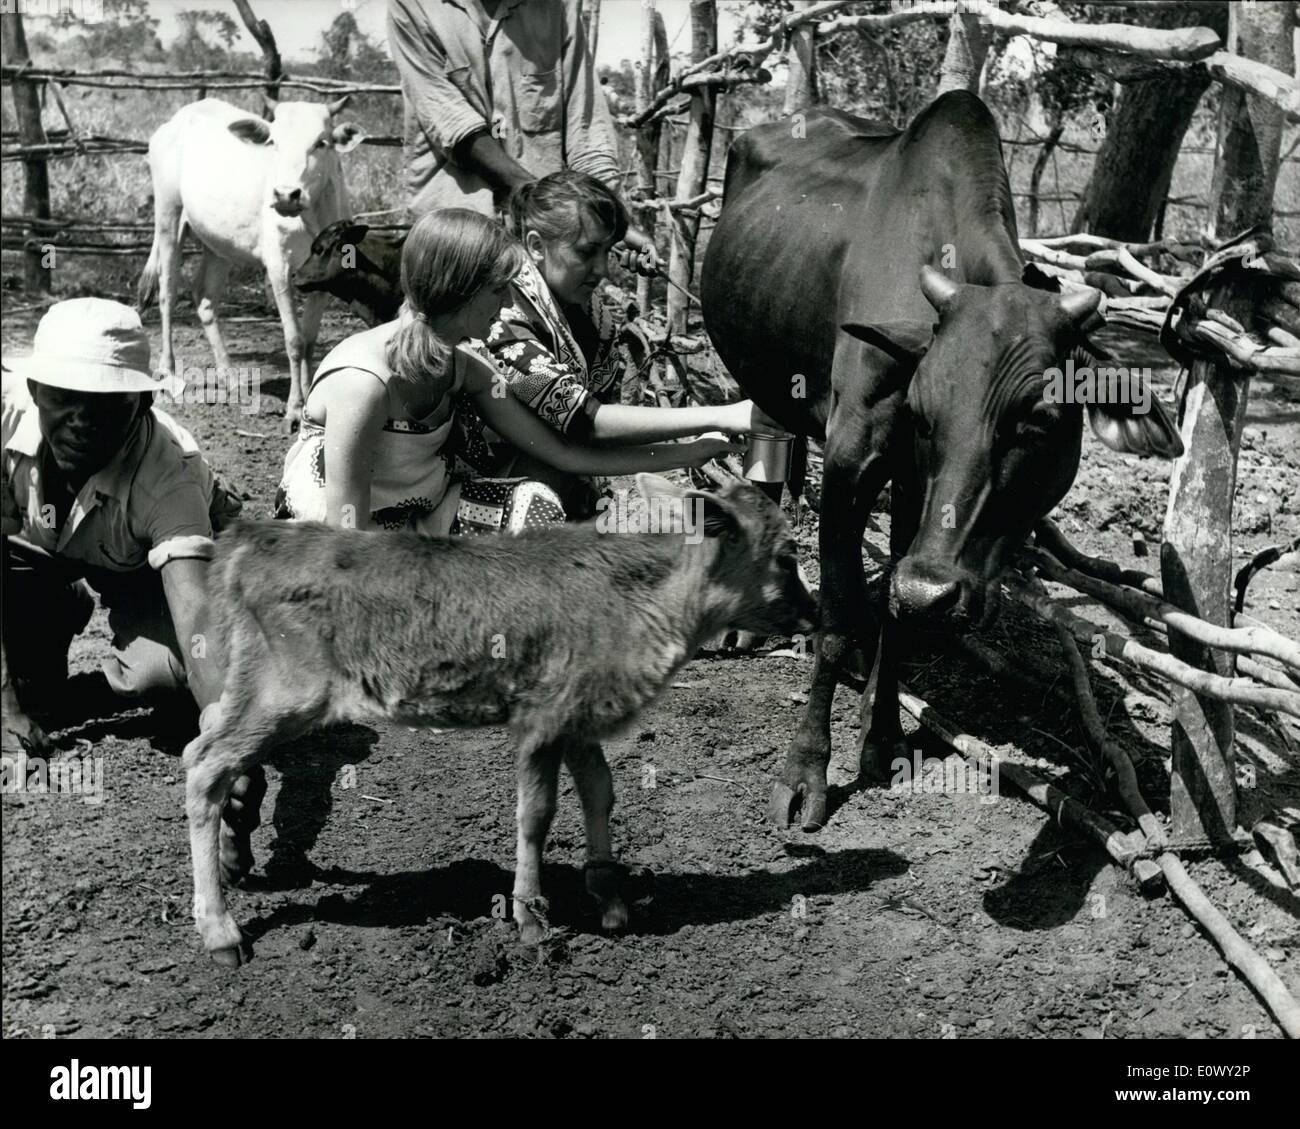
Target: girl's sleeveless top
(411,486)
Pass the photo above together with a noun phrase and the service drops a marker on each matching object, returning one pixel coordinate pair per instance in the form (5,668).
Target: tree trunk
(260,30)
(694,175)
(963,59)
(801,86)
(1050,143)
(1249,147)
(36,173)
(652,79)
(1135,164)
(1196,556)
(591,23)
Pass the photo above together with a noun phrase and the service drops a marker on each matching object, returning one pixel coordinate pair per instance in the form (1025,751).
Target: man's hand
(637,252)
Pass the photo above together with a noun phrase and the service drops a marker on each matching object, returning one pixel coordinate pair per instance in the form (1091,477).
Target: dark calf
(357,267)
(563,635)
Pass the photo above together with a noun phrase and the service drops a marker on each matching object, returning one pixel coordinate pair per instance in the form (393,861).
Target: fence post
(591,24)
(36,183)
(963,58)
(654,75)
(801,58)
(694,176)
(1196,556)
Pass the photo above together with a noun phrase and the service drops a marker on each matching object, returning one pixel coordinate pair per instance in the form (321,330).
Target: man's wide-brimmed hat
(90,345)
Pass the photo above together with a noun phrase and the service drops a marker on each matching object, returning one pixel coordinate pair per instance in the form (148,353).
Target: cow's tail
(146,287)
(147,284)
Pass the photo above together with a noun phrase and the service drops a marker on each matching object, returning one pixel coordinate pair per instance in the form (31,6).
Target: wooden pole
(260,30)
(694,175)
(1196,555)
(963,58)
(653,76)
(591,23)
(801,59)
(36,182)
(1249,147)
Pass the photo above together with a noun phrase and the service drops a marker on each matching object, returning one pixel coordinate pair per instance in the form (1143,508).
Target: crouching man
(99,489)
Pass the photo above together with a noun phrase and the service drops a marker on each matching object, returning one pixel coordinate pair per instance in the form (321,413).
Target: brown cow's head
(305,149)
(996,443)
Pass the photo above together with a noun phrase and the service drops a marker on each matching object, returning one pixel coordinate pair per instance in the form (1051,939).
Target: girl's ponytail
(416,353)
(450,256)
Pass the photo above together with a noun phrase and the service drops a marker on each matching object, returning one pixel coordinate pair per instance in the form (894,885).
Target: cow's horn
(938,288)
(337,105)
(1079,305)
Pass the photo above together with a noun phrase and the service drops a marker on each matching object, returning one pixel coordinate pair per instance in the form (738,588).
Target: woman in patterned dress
(555,342)
(373,450)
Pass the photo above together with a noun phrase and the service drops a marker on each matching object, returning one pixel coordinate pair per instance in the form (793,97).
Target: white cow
(252,192)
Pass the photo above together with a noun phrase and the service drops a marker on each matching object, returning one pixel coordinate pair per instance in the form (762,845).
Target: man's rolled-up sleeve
(171,516)
(438,105)
(590,143)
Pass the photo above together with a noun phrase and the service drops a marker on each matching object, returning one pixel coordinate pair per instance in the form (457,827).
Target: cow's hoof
(786,801)
(222,939)
(531,916)
(878,759)
(228,958)
(289,424)
(613,915)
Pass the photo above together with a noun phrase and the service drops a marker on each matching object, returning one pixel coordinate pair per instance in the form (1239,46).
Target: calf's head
(753,582)
(336,249)
(996,435)
(304,145)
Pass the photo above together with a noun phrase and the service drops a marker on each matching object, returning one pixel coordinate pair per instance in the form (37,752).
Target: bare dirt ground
(374,907)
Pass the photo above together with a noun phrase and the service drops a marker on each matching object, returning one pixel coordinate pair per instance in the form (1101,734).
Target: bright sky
(298,24)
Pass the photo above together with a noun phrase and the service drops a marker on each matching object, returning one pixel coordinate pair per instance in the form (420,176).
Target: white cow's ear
(347,136)
(253,130)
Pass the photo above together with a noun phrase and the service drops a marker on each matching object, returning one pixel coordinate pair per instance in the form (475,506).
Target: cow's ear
(347,136)
(1130,432)
(654,485)
(905,341)
(354,233)
(719,517)
(253,130)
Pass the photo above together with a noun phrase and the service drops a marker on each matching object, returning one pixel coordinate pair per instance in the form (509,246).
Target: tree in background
(1135,164)
(193,50)
(888,75)
(127,34)
(1062,92)
(346,51)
